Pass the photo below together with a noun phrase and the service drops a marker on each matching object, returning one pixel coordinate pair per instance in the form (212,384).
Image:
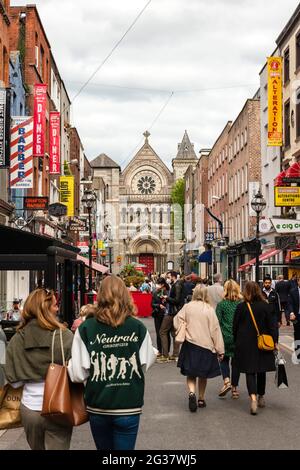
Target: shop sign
(295,255)
(67,193)
(4,127)
(78,225)
(57,209)
(39,119)
(287,196)
(275,101)
(286,225)
(54,143)
(36,203)
(21,161)
(265,225)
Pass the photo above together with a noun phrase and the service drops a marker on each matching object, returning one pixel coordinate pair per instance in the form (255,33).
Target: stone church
(139,207)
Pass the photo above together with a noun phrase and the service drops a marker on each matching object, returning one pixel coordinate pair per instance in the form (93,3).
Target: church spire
(186,149)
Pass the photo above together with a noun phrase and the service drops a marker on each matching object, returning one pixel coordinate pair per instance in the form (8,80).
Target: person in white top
(216,291)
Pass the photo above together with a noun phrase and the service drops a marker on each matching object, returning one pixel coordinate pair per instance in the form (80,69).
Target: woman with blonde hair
(86,311)
(27,361)
(110,353)
(202,347)
(225,313)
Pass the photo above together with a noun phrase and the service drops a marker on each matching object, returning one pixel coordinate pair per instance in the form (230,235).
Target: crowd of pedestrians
(109,350)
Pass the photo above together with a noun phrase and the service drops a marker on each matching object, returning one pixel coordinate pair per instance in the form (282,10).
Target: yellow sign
(66,186)
(101,245)
(275,101)
(295,255)
(287,196)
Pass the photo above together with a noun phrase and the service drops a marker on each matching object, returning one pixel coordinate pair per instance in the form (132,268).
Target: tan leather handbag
(63,400)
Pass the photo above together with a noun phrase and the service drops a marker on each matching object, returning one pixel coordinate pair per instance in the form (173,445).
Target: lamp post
(88,200)
(258,204)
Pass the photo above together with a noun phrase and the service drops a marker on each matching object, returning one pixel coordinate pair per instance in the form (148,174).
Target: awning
(278,181)
(268,254)
(95,266)
(205,257)
(293,171)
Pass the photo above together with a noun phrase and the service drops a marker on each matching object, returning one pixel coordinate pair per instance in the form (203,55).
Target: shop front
(46,262)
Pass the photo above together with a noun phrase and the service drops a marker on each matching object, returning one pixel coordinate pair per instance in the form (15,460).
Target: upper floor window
(286,65)
(298,50)
(287,127)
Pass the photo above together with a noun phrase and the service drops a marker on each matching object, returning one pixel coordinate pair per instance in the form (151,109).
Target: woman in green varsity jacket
(110,353)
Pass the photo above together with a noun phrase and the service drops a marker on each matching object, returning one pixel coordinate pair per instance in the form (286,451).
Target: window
(161,216)
(153,215)
(42,62)
(297,113)
(287,126)
(238,143)
(286,65)
(123,215)
(246,136)
(242,140)
(298,50)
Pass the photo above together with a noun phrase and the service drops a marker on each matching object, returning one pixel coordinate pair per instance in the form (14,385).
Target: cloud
(208,52)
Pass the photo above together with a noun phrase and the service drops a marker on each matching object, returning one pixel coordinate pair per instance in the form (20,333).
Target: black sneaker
(192,402)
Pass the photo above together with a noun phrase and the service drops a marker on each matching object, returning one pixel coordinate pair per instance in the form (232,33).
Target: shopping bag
(10,401)
(281,380)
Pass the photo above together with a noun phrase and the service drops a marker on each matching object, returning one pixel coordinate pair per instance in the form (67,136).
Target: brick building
(27,35)
(218,195)
(244,173)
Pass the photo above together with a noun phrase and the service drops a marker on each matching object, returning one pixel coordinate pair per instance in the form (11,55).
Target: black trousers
(256,383)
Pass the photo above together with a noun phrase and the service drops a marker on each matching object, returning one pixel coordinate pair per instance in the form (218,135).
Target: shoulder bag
(62,399)
(264,342)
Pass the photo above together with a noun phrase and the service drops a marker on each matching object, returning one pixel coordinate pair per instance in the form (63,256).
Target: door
(148,261)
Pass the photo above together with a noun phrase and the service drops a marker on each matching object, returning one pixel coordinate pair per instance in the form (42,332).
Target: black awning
(15,241)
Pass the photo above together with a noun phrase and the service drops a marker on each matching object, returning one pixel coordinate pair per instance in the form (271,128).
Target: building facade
(139,225)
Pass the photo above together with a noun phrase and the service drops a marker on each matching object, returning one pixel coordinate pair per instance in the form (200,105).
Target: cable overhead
(150,127)
(112,50)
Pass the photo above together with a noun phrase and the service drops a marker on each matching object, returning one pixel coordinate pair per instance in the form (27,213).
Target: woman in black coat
(249,359)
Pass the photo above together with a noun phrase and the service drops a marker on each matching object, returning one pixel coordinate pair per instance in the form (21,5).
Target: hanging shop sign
(275,101)
(39,119)
(286,225)
(57,209)
(21,161)
(78,225)
(265,225)
(287,196)
(32,203)
(67,193)
(295,255)
(4,127)
(54,143)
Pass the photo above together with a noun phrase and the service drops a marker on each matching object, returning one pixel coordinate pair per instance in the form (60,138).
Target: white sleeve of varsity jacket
(147,353)
(79,364)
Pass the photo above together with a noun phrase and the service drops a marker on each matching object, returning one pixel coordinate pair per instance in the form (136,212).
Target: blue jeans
(225,369)
(114,432)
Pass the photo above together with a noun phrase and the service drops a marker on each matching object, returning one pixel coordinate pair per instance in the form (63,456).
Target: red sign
(39,120)
(36,203)
(54,143)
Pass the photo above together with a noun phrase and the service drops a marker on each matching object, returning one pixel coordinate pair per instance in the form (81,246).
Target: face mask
(169,281)
(158,287)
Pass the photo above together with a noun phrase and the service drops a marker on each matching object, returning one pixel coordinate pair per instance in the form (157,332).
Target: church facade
(139,219)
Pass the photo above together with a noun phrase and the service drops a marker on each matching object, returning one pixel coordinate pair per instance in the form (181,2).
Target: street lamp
(258,204)
(88,200)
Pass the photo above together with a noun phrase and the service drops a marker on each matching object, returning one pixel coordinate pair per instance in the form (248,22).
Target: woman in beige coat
(203,345)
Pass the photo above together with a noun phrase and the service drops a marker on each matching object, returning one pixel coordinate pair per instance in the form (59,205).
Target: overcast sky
(209,52)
